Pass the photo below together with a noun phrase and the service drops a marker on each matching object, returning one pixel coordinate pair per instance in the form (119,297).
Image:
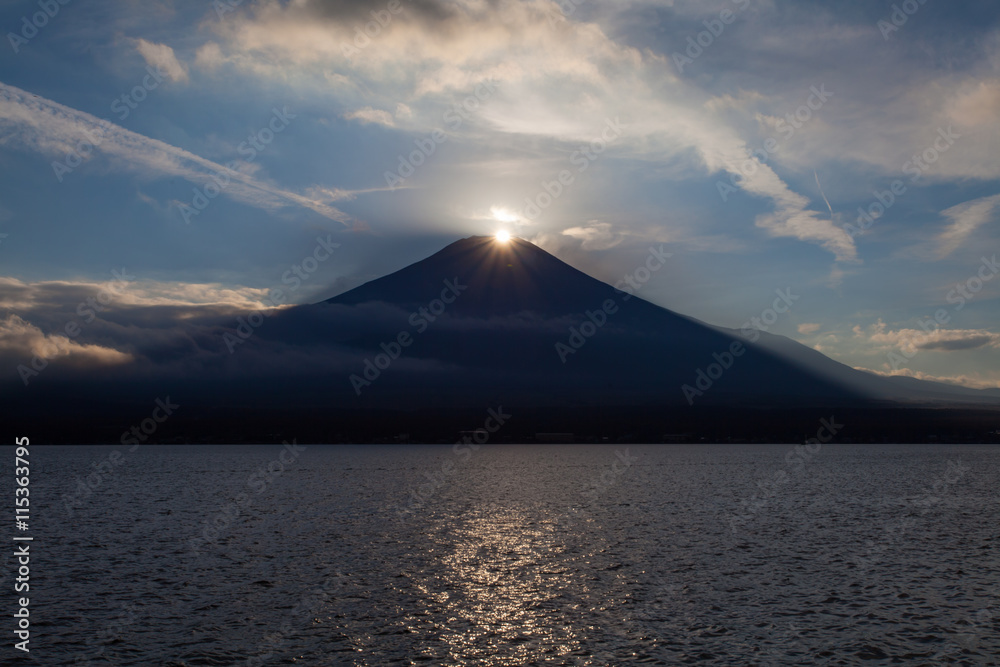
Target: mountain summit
(503,278)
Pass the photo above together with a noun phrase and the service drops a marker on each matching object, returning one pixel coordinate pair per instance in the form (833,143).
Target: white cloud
(40,125)
(976,104)
(209,56)
(25,339)
(742,101)
(370,115)
(946,340)
(595,235)
(163,58)
(965,219)
(808,328)
(558,80)
(884,129)
(49,294)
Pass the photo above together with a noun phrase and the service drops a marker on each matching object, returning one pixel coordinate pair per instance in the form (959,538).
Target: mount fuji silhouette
(481,324)
(484,320)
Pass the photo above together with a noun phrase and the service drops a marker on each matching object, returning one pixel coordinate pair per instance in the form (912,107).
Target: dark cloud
(430,12)
(970,343)
(188,342)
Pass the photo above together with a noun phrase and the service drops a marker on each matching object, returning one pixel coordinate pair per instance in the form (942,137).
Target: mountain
(524,326)
(480,325)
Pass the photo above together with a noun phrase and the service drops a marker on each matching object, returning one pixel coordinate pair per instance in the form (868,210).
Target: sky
(847,153)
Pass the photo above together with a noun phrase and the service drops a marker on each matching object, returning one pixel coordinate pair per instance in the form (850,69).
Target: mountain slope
(517,328)
(517,325)
(477,325)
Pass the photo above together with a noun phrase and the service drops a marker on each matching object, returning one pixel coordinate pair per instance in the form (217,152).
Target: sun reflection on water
(507,592)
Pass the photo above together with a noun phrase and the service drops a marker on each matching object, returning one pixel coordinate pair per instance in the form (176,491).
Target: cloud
(965,219)
(430,12)
(595,235)
(874,123)
(52,295)
(39,125)
(962,341)
(558,79)
(209,56)
(977,104)
(743,100)
(791,216)
(162,57)
(149,328)
(370,115)
(155,332)
(944,340)
(808,328)
(21,339)
(885,130)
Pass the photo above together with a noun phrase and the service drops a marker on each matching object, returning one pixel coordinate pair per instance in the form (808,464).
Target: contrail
(823,193)
(36,124)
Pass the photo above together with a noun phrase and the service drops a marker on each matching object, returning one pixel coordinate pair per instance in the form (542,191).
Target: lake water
(514,555)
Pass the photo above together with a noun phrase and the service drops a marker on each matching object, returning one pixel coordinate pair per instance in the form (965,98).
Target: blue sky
(743,135)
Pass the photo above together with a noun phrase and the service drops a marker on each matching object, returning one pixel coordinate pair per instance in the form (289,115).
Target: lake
(515,555)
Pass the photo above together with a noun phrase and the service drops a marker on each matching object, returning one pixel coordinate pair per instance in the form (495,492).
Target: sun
(503,236)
